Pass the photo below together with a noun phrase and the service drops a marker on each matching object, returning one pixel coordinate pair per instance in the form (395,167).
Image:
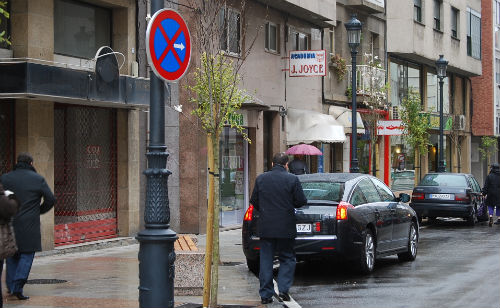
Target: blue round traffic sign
(168,45)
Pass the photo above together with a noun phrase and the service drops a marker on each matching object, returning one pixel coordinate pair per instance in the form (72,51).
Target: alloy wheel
(369,251)
(413,241)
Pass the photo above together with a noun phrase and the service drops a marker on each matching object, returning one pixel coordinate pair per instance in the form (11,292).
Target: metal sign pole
(156,252)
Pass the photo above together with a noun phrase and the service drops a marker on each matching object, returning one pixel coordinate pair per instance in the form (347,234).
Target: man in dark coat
(276,195)
(30,188)
(492,191)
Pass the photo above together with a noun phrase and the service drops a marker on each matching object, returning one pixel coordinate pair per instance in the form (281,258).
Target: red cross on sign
(168,45)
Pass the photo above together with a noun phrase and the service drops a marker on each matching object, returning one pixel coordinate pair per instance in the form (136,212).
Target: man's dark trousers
(18,270)
(286,255)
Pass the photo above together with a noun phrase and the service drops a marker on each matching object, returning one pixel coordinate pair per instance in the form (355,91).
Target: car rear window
(444,180)
(322,191)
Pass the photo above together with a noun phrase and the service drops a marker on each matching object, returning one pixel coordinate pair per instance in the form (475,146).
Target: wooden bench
(185,243)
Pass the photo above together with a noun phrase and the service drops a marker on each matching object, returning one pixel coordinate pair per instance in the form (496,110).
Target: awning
(305,126)
(344,116)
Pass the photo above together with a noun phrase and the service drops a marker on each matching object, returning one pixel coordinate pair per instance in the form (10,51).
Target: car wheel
(419,217)
(411,254)
(253,266)
(367,254)
(472,219)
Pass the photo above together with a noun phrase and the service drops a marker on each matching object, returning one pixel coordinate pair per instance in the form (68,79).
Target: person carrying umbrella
(297,165)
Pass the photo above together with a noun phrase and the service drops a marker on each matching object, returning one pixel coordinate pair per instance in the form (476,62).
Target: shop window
(272,37)
(80,29)
(229,21)
(473,34)
(6,136)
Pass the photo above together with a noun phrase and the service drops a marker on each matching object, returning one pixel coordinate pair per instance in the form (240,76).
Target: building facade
(486,89)
(68,95)
(418,32)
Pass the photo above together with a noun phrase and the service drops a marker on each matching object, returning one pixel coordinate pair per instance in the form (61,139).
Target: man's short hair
(25,157)
(280,159)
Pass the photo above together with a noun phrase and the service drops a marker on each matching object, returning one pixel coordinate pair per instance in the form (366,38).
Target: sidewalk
(109,278)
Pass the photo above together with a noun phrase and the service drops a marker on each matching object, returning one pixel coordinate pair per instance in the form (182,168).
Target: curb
(89,246)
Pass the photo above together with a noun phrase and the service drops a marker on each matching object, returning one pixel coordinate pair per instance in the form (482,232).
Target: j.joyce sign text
(304,63)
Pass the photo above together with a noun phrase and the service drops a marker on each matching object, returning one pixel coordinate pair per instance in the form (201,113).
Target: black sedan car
(349,215)
(448,195)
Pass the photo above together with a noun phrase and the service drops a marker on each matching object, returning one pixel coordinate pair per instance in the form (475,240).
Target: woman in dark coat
(492,191)
(8,208)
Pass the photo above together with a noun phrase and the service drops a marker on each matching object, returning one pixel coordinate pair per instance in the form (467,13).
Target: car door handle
(377,214)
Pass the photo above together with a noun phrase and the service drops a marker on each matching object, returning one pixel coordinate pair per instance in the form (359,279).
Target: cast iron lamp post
(353,28)
(156,250)
(441,64)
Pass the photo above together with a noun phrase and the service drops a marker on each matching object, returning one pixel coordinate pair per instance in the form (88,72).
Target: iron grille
(6,136)
(85,169)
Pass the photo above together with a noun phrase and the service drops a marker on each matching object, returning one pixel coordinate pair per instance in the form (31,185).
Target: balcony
(369,79)
(368,6)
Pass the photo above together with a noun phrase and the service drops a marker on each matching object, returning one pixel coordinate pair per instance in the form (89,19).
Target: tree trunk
(210,222)
(215,252)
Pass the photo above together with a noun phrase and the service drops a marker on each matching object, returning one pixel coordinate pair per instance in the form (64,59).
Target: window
(80,29)
(272,35)
(444,180)
(323,191)
(433,94)
(497,70)
(385,193)
(497,24)
(229,21)
(369,190)
(5,26)
(473,34)
(300,41)
(417,10)
(455,13)
(357,197)
(437,15)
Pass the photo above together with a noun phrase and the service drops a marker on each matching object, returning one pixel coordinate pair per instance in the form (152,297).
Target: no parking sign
(168,45)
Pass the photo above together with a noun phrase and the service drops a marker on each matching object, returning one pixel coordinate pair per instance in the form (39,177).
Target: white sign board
(307,63)
(389,128)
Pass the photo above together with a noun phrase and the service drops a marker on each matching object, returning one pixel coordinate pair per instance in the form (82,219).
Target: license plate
(441,196)
(303,228)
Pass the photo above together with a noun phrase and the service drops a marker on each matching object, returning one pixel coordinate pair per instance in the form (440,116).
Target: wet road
(456,266)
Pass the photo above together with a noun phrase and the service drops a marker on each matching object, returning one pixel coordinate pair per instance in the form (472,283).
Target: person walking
(275,195)
(8,208)
(492,191)
(29,187)
(297,165)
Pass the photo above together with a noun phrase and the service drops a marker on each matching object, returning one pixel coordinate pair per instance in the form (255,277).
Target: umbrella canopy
(303,149)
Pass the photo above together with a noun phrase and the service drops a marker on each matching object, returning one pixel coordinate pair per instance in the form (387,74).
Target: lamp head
(441,65)
(353,28)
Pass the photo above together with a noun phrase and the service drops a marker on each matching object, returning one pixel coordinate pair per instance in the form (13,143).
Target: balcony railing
(368,79)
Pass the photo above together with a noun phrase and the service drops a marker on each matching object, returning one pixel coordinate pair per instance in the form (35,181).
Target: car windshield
(322,191)
(444,180)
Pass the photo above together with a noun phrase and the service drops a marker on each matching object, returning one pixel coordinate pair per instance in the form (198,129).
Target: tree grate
(46,281)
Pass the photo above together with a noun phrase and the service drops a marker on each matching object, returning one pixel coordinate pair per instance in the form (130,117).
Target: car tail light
(417,196)
(462,197)
(342,210)
(318,227)
(249,213)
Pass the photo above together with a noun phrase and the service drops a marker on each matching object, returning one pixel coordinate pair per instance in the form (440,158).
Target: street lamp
(353,28)
(156,250)
(441,65)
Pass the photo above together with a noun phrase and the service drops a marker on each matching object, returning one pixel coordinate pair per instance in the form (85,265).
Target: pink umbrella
(303,149)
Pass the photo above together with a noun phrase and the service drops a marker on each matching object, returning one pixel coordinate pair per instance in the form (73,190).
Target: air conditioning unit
(459,122)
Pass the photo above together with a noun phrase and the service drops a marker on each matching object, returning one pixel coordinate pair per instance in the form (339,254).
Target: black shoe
(21,296)
(266,300)
(284,297)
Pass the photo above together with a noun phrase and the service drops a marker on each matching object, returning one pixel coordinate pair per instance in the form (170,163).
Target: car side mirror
(404,197)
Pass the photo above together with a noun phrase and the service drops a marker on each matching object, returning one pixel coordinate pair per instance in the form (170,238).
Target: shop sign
(390,127)
(238,118)
(434,121)
(307,63)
